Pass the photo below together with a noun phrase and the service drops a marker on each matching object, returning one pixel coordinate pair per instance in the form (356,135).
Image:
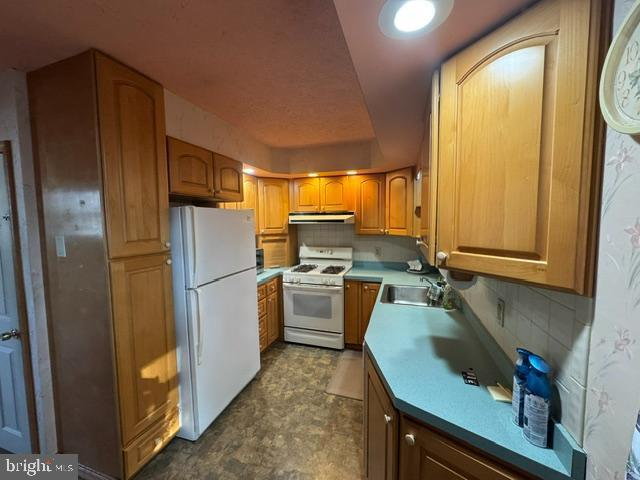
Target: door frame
(23,324)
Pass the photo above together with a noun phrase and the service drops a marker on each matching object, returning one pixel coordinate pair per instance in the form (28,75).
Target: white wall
(14,126)
(367,248)
(552,324)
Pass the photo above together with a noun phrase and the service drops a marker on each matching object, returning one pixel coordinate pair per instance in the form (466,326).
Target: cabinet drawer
(147,445)
(262,307)
(262,292)
(272,287)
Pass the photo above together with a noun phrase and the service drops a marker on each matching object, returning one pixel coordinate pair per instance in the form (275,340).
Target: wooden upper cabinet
(335,194)
(132,133)
(429,193)
(306,195)
(520,146)
(250,197)
(369,194)
(399,202)
(273,198)
(190,169)
(227,179)
(145,341)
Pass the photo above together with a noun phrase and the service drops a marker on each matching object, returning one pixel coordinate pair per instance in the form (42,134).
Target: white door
(14,418)
(226,352)
(217,243)
(314,307)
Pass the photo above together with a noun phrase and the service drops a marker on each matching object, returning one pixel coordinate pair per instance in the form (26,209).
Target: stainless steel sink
(406,295)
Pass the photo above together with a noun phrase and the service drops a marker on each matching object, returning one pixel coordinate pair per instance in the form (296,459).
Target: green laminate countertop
(420,353)
(269,273)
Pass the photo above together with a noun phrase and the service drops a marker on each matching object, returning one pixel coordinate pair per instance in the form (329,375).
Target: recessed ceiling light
(352,172)
(248,170)
(404,19)
(313,174)
(414,15)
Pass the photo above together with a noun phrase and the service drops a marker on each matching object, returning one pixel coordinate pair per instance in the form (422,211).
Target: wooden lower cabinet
(269,312)
(426,454)
(145,341)
(359,300)
(380,428)
(145,447)
(399,447)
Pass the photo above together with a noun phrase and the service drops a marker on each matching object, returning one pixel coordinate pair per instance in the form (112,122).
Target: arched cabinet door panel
(227,179)
(519,148)
(190,169)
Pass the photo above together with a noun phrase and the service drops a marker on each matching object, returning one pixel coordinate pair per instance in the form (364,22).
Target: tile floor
(282,426)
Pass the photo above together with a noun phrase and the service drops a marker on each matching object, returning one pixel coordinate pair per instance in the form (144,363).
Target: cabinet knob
(168,261)
(410,439)
(387,418)
(442,257)
(382,230)
(158,442)
(167,244)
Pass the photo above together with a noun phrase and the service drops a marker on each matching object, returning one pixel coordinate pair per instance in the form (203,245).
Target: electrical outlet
(378,251)
(500,312)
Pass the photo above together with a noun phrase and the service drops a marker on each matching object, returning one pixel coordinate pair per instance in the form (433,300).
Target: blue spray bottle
(519,385)
(537,402)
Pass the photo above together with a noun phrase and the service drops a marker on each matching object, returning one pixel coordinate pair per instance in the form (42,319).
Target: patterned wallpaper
(613,385)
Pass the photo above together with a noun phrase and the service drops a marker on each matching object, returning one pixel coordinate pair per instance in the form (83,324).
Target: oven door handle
(319,288)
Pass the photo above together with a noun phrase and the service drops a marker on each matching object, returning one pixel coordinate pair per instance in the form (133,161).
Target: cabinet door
(369,204)
(429,192)
(352,313)
(250,197)
(227,179)
(134,160)
(306,195)
(518,127)
(279,250)
(335,194)
(190,169)
(380,429)
(273,197)
(368,299)
(144,341)
(273,319)
(425,454)
(399,202)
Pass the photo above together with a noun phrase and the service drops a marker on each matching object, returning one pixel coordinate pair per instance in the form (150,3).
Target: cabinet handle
(158,442)
(167,244)
(168,261)
(442,257)
(410,439)
(387,418)
(382,230)
(365,288)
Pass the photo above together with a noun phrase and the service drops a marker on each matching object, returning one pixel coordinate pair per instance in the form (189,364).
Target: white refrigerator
(216,310)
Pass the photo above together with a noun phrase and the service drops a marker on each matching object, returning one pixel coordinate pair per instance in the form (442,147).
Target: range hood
(302,218)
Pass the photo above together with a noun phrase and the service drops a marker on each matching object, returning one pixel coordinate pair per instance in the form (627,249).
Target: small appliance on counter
(259,260)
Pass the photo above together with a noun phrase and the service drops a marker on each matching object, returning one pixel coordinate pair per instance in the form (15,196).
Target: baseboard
(87,473)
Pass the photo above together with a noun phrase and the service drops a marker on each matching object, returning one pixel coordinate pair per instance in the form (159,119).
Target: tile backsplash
(553,324)
(367,248)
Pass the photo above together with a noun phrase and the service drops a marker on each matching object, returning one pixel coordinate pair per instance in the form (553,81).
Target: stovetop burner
(304,268)
(333,269)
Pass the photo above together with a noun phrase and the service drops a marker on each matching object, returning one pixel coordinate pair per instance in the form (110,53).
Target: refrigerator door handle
(198,328)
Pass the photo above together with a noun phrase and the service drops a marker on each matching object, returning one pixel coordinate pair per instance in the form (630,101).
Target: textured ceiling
(279,69)
(395,75)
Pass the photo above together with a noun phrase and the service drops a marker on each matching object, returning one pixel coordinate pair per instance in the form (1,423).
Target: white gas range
(314,296)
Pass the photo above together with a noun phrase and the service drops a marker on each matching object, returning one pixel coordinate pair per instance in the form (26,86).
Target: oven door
(314,307)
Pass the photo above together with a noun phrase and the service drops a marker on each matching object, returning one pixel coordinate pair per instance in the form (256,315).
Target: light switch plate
(61,249)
